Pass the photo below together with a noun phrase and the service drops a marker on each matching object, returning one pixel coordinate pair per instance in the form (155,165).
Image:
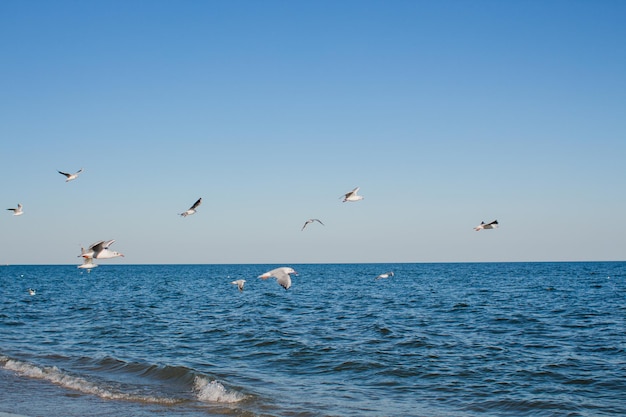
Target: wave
(203,388)
(213,391)
(176,374)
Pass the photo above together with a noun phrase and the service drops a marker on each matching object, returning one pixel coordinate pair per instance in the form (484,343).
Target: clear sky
(445,113)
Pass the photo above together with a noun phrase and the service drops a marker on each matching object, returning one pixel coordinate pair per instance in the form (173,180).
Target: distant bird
(239,283)
(70,177)
(100,250)
(87,264)
(306,223)
(282,276)
(385,275)
(31,291)
(483,225)
(192,209)
(352,195)
(17,211)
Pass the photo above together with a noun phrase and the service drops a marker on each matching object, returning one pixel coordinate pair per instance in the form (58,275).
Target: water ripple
(439,339)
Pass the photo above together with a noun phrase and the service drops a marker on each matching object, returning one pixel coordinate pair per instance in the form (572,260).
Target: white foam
(58,377)
(213,391)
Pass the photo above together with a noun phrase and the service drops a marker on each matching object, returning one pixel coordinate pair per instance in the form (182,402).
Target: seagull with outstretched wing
(17,211)
(100,250)
(70,177)
(352,195)
(282,276)
(239,283)
(306,223)
(483,225)
(192,209)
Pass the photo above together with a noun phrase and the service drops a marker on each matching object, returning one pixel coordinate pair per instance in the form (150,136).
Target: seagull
(87,264)
(386,275)
(70,177)
(483,225)
(282,276)
(31,291)
(306,223)
(239,283)
(192,209)
(17,211)
(352,196)
(100,250)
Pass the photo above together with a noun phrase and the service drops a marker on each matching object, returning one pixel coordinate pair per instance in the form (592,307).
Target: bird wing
(96,247)
(353,192)
(196,204)
(64,173)
(319,221)
(284,281)
(282,277)
(109,243)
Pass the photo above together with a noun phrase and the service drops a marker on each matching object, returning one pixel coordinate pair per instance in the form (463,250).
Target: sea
(449,339)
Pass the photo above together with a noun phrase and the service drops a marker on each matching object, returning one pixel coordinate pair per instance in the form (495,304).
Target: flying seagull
(31,291)
(192,209)
(385,275)
(239,283)
(100,250)
(352,196)
(70,177)
(483,225)
(17,211)
(282,276)
(306,223)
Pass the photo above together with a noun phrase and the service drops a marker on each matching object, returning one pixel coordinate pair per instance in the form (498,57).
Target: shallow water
(434,340)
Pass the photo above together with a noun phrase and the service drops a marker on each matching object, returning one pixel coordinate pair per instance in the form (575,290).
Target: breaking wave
(213,391)
(203,388)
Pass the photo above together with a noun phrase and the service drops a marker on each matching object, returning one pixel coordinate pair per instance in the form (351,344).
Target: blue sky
(444,113)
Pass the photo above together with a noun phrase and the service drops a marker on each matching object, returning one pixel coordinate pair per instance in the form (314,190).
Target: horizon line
(327,263)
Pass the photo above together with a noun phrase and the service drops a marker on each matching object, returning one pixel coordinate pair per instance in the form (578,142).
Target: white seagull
(352,195)
(17,211)
(386,275)
(306,223)
(239,283)
(483,225)
(192,209)
(31,291)
(100,250)
(87,264)
(282,276)
(70,177)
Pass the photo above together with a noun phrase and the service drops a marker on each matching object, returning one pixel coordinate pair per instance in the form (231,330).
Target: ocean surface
(492,339)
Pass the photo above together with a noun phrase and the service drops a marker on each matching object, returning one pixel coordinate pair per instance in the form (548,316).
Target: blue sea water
(493,339)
